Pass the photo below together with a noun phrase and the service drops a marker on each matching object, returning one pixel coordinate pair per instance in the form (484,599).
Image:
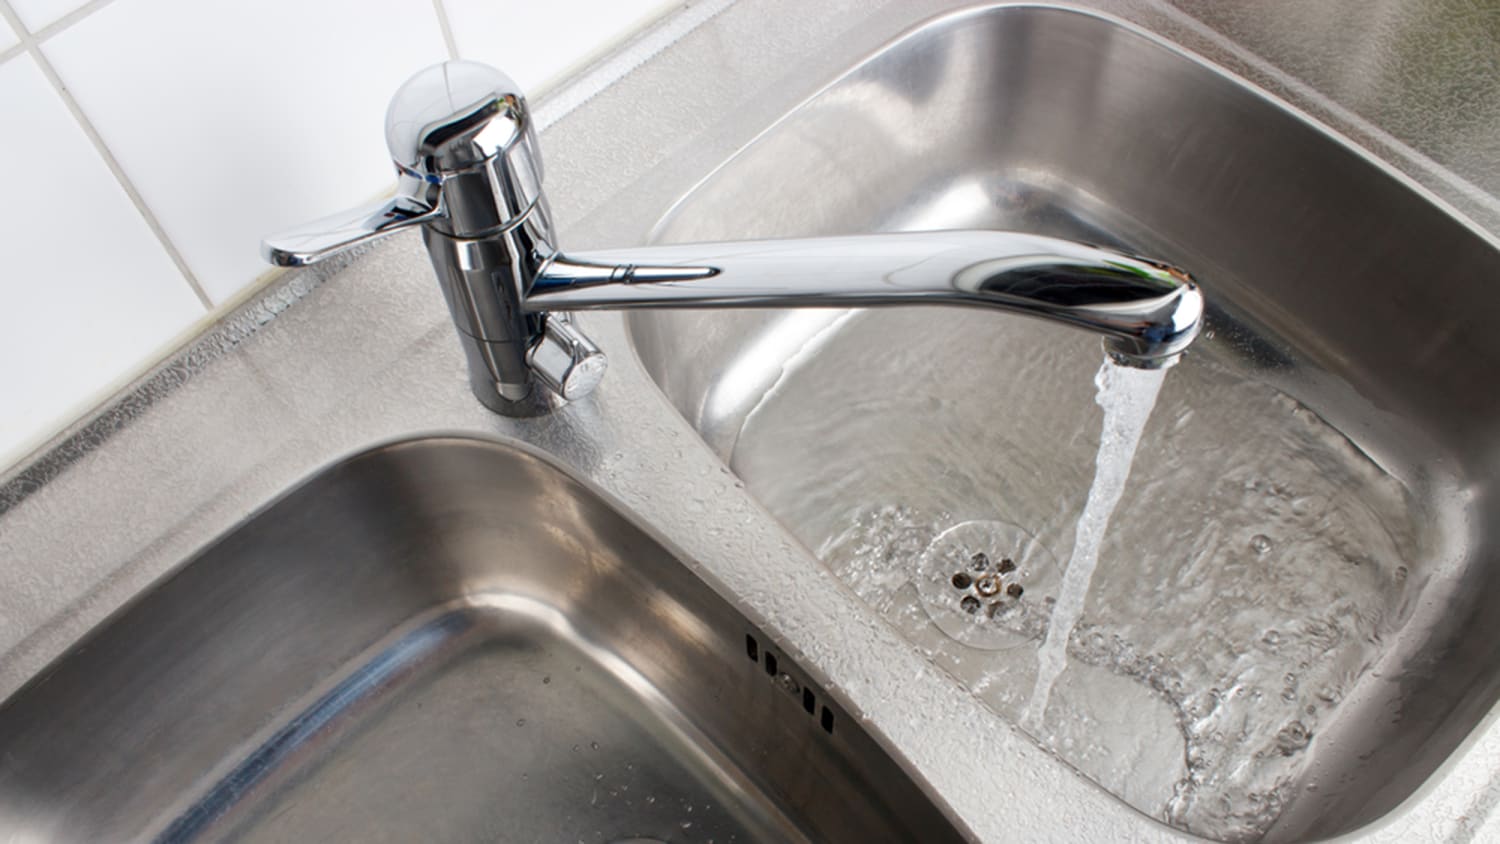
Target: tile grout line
(31,44)
(444,25)
(69,19)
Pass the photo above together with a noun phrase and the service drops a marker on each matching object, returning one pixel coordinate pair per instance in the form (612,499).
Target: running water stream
(1127,395)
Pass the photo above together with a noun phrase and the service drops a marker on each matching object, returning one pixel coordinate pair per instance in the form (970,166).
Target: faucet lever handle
(312,242)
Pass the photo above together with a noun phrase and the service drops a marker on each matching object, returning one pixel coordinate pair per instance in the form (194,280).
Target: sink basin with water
(1286,633)
(441,640)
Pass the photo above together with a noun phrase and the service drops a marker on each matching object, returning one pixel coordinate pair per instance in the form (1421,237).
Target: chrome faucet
(470,176)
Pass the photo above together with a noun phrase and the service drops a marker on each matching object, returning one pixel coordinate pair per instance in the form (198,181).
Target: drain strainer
(983,583)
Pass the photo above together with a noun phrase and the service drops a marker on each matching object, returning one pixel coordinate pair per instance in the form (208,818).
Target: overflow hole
(827,720)
(809,702)
(752,649)
(771,664)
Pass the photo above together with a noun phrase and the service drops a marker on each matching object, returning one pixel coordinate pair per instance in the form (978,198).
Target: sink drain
(982,582)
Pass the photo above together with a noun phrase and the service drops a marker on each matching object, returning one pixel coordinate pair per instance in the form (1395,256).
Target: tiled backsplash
(153,143)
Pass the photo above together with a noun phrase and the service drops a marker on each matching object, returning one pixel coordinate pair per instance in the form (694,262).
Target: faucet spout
(470,178)
(1147,312)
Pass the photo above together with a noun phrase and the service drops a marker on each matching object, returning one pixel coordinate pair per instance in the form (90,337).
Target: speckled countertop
(320,365)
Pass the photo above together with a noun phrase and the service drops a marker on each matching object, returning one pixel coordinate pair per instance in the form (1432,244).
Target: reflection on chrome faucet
(470,176)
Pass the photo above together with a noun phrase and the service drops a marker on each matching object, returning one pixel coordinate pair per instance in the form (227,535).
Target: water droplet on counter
(1293,738)
(1260,544)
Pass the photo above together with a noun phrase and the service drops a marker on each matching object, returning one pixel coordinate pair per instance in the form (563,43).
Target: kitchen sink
(442,640)
(1288,631)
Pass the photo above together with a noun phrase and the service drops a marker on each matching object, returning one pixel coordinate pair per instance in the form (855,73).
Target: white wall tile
(534,41)
(8,36)
(38,13)
(231,119)
(235,119)
(86,291)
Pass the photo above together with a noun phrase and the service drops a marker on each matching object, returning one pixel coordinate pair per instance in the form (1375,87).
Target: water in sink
(1241,590)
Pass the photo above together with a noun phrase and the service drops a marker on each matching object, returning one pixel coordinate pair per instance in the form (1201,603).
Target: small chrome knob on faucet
(470,176)
(565,361)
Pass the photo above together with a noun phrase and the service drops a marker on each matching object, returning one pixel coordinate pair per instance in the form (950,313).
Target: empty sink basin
(1288,629)
(441,640)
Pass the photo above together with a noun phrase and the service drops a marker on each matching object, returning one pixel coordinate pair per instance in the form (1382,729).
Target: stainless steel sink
(441,640)
(1289,628)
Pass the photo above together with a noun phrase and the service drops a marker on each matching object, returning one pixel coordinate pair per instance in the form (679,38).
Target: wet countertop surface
(322,364)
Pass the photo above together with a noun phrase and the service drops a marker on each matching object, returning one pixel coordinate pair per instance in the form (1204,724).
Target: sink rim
(346,481)
(156,415)
(642,324)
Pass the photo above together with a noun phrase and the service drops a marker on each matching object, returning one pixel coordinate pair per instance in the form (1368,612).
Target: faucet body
(470,177)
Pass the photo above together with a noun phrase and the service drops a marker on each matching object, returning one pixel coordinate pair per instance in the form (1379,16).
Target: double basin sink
(451,639)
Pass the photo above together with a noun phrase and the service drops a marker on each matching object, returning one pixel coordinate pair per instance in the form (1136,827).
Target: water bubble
(594,745)
(1260,544)
(547,678)
(520,722)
